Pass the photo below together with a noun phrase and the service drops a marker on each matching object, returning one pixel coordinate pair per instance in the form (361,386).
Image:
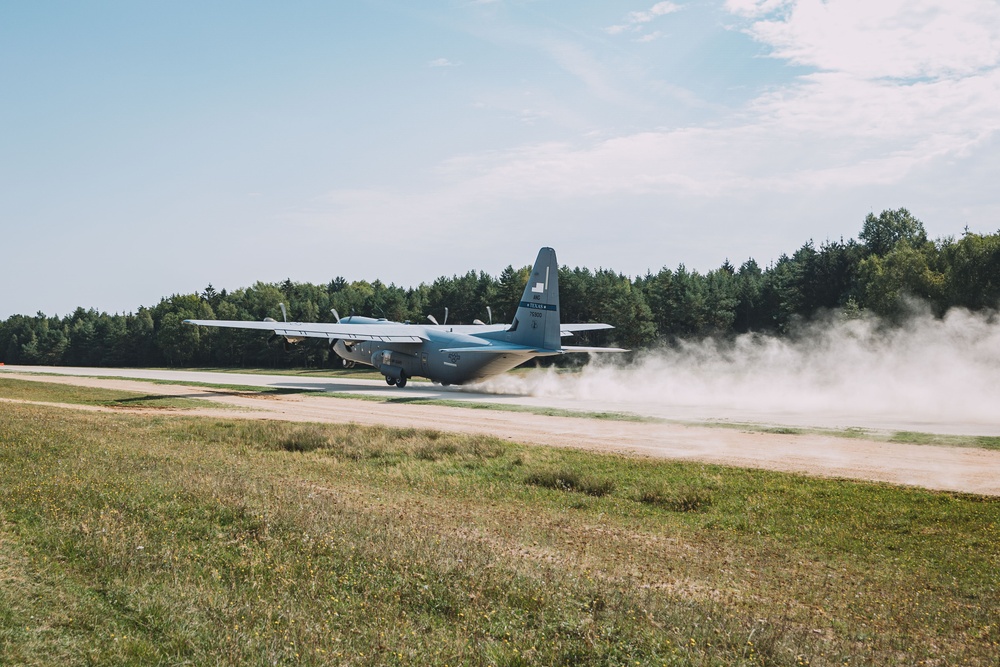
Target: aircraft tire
(401,382)
(389,381)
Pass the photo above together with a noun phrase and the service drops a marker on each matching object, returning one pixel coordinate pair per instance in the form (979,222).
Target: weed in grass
(304,439)
(570,480)
(685,498)
(436,451)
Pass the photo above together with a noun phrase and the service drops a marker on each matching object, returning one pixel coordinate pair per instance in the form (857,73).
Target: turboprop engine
(289,340)
(395,366)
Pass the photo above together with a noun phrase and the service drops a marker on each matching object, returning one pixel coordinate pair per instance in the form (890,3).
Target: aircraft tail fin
(536,322)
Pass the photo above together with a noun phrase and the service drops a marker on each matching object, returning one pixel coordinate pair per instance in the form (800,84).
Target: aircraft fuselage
(432,359)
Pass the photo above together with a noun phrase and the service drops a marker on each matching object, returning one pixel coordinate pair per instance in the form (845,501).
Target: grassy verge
(51,392)
(130,539)
(359,373)
(981,441)
(905,437)
(505,407)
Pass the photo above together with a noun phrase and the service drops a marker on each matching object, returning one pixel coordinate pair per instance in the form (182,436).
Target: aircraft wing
(385,333)
(471,329)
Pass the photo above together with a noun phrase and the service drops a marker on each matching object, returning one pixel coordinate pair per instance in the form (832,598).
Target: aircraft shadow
(428,391)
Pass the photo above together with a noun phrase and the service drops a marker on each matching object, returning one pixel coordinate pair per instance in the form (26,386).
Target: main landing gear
(401,382)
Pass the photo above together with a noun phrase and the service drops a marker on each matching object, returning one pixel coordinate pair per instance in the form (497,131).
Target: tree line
(891,262)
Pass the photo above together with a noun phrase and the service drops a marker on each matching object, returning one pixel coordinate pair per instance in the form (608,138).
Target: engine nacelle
(395,364)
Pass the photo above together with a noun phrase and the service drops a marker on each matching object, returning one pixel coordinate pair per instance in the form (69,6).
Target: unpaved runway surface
(944,468)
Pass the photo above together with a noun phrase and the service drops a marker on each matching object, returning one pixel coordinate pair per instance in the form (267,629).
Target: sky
(154,148)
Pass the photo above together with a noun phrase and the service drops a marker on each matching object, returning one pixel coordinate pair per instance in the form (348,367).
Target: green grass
(504,407)
(134,539)
(904,437)
(912,437)
(359,373)
(51,392)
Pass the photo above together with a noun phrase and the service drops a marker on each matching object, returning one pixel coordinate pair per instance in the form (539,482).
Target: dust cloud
(861,372)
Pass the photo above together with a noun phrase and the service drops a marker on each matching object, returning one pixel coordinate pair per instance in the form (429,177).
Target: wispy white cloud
(636,21)
(589,69)
(890,38)
(442,62)
(659,9)
(847,126)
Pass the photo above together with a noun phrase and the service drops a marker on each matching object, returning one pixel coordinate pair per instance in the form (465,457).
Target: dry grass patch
(267,542)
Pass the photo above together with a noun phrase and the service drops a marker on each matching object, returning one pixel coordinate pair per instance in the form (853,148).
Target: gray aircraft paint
(449,354)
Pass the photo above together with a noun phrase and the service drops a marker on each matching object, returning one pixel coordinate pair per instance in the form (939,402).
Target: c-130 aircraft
(446,354)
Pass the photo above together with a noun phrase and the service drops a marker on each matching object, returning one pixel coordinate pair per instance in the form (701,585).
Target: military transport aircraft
(446,354)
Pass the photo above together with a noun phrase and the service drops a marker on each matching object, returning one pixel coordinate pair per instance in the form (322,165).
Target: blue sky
(154,148)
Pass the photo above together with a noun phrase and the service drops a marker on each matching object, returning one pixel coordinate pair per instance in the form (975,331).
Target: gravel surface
(963,469)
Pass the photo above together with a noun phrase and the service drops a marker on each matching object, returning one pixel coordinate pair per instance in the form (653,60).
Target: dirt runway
(968,470)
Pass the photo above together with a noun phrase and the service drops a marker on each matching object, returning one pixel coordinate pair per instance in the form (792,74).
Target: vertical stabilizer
(536,323)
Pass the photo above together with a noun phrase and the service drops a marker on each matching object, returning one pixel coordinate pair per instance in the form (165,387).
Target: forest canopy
(891,264)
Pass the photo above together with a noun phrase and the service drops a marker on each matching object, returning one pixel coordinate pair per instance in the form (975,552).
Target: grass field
(51,392)
(133,539)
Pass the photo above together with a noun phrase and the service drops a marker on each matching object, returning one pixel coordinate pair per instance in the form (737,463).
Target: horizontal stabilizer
(582,348)
(585,326)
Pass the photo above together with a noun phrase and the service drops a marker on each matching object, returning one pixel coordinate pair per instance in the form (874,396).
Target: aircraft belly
(457,368)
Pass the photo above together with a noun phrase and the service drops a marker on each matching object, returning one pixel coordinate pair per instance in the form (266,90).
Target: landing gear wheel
(389,381)
(401,382)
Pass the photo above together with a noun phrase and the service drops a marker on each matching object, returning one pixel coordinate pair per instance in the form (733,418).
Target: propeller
(289,340)
(479,321)
(336,315)
(433,319)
